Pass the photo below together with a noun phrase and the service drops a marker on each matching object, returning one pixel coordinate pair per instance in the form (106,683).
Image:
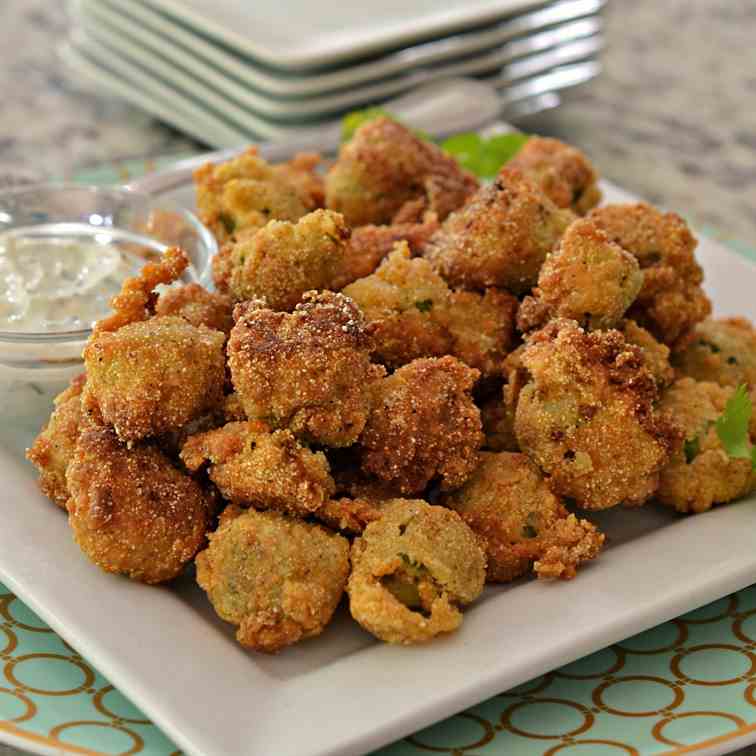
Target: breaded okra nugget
(412,570)
(701,473)
(146,375)
(587,416)
(369,245)
(414,314)
(277,578)
(283,260)
(131,511)
(245,193)
(308,371)
(563,172)
(655,354)
(587,278)
(197,306)
(500,237)
(671,300)
(508,504)
(53,448)
(269,470)
(423,426)
(384,167)
(721,350)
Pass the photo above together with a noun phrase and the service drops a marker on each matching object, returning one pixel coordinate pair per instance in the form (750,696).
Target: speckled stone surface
(673,117)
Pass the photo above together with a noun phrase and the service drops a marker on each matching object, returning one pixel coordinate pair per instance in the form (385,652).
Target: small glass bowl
(136,224)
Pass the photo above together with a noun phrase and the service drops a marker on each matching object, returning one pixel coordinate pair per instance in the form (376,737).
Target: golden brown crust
(497,416)
(302,174)
(308,371)
(701,473)
(384,167)
(269,470)
(500,237)
(197,306)
(283,260)
(563,172)
(369,245)
(411,571)
(655,354)
(351,515)
(414,314)
(152,377)
(423,426)
(136,300)
(587,416)
(245,193)
(671,300)
(131,511)
(277,578)
(508,504)
(587,278)
(53,448)
(721,350)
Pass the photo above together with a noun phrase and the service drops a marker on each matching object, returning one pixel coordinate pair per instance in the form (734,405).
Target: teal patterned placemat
(681,686)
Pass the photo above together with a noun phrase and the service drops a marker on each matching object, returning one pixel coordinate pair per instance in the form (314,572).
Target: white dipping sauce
(61,277)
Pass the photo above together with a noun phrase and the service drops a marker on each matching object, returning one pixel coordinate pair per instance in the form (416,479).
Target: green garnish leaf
(424,305)
(481,156)
(692,448)
(732,426)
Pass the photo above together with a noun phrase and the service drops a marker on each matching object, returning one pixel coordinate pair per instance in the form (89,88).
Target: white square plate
(184,46)
(343,693)
(300,34)
(106,31)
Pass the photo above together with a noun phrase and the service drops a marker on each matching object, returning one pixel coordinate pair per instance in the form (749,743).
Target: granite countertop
(672,117)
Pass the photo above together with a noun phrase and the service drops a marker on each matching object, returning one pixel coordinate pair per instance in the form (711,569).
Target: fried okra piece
(153,377)
(246,192)
(671,300)
(587,278)
(655,354)
(301,172)
(277,578)
(369,245)
(414,314)
(131,511)
(500,237)
(53,448)
(351,516)
(412,571)
(508,504)
(721,350)
(701,473)
(587,416)
(482,328)
(284,260)
(423,426)
(269,470)
(197,306)
(308,371)
(401,301)
(385,167)
(563,172)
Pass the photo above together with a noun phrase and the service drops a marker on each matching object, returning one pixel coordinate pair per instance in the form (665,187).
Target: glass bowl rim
(205,235)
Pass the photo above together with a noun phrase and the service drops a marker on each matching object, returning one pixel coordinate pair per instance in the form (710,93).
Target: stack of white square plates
(226,71)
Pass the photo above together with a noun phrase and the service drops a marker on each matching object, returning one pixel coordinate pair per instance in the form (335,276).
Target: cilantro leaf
(732,426)
(481,156)
(352,121)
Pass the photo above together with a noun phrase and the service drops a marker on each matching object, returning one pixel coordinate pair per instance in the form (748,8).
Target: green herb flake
(692,448)
(228,222)
(424,305)
(732,426)
(352,121)
(528,531)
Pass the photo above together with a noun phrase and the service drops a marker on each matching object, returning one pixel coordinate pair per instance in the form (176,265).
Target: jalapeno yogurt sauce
(61,277)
